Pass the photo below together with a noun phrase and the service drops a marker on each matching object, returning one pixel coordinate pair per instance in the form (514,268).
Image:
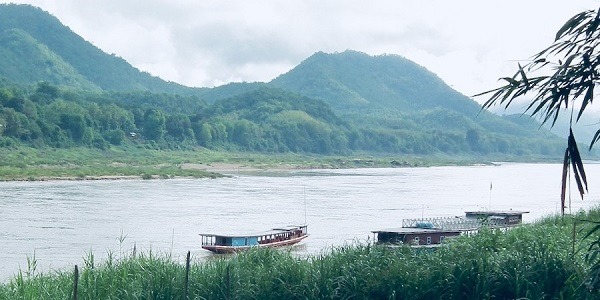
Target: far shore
(210,170)
(216,170)
(93,166)
(206,170)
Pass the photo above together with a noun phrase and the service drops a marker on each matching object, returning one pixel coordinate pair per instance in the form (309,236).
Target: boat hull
(232,249)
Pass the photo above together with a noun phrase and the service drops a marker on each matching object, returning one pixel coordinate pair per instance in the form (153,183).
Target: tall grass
(530,262)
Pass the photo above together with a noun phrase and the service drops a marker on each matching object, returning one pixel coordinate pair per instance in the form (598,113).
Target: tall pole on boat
(304,192)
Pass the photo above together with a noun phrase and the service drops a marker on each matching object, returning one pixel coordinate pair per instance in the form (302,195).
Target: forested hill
(58,90)
(390,98)
(29,35)
(353,80)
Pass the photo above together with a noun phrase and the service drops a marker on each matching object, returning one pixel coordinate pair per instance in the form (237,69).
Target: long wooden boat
(277,237)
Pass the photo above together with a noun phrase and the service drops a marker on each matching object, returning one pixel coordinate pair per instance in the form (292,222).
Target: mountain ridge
(91,62)
(396,81)
(388,103)
(22,47)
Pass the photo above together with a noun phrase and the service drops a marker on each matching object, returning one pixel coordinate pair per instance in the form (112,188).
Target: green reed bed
(530,262)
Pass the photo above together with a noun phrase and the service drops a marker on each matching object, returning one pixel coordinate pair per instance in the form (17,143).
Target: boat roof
(409,230)
(290,227)
(256,234)
(497,212)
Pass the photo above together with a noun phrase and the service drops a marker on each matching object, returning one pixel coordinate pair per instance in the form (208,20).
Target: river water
(60,222)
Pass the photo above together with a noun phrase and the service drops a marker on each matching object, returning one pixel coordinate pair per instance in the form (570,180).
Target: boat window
(442,238)
(417,240)
(428,240)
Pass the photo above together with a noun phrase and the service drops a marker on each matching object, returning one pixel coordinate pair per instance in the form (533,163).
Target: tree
(472,138)
(154,125)
(114,136)
(204,136)
(45,93)
(179,127)
(219,132)
(75,124)
(562,77)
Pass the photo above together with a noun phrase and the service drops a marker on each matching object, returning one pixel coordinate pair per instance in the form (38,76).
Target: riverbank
(30,164)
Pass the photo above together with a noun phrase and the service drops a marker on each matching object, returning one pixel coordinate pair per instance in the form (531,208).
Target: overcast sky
(469,44)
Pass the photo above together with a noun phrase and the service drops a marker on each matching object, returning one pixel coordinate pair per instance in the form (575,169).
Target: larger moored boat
(433,231)
(277,237)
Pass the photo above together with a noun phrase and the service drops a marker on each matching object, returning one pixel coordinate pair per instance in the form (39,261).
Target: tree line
(264,120)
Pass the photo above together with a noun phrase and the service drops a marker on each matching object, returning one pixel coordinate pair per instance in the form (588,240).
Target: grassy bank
(86,163)
(534,262)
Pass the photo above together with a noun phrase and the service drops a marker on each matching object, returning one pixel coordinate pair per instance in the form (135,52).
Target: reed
(533,261)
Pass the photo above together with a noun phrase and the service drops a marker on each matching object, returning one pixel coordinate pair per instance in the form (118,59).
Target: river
(59,222)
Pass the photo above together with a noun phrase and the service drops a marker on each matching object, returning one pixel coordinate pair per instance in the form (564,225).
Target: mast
(304,193)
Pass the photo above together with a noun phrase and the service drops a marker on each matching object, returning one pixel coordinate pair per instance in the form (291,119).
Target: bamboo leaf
(595,139)
(511,81)
(525,81)
(576,157)
(577,179)
(487,92)
(589,96)
(571,24)
(566,27)
(592,231)
(563,182)
(567,62)
(556,111)
(594,25)
(576,162)
(540,105)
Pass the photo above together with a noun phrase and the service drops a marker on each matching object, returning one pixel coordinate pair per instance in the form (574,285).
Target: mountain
(329,103)
(353,80)
(405,100)
(20,51)
(65,58)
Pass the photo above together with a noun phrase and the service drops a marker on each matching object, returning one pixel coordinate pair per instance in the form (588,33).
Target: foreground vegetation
(538,261)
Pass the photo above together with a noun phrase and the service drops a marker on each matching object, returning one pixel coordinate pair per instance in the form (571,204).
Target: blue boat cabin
(236,241)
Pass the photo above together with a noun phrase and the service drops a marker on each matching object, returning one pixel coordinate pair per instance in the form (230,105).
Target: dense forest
(57,90)
(266,120)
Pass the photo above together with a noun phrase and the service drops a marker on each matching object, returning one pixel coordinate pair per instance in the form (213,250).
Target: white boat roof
(409,230)
(256,234)
(497,212)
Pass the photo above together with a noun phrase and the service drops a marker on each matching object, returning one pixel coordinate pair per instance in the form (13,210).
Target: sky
(207,43)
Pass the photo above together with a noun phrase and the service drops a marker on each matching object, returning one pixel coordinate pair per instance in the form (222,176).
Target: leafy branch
(561,76)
